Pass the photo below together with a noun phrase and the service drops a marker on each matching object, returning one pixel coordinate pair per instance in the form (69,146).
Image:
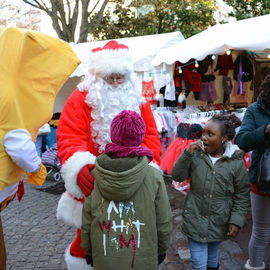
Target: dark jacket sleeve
(86,227)
(250,137)
(163,218)
(181,168)
(241,200)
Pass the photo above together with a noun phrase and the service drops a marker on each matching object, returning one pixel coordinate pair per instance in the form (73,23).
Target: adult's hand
(267,131)
(233,230)
(85,179)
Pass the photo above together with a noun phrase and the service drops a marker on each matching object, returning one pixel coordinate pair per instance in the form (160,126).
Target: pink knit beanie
(127,134)
(127,129)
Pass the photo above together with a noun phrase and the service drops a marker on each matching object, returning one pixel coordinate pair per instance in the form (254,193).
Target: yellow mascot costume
(33,68)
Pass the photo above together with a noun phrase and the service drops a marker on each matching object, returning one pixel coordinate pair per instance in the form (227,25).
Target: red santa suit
(83,131)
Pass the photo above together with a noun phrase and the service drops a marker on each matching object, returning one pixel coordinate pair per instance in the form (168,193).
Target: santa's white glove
(20,147)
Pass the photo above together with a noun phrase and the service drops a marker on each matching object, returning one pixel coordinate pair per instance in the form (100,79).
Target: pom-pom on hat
(111,58)
(127,129)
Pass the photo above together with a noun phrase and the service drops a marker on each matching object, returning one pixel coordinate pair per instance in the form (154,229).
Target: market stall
(249,37)
(228,62)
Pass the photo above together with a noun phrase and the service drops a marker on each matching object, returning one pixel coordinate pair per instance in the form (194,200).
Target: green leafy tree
(249,8)
(146,17)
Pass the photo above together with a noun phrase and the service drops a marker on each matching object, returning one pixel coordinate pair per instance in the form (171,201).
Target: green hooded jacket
(218,196)
(127,219)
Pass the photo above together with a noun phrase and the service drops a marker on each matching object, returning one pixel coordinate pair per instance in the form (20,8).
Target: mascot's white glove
(20,147)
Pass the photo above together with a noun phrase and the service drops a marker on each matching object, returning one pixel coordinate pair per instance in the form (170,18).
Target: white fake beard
(106,102)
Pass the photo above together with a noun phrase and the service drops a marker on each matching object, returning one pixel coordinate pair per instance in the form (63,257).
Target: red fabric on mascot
(84,129)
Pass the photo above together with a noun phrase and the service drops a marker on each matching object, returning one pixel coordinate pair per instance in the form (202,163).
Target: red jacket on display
(195,80)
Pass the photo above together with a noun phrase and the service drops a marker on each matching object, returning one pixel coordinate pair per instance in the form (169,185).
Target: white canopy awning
(143,49)
(250,34)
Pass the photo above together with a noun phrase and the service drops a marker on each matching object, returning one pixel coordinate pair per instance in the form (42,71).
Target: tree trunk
(65,18)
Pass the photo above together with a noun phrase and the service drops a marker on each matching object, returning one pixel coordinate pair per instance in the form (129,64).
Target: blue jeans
(203,254)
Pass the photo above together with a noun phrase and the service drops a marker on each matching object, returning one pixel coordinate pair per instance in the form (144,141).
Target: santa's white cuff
(71,169)
(76,262)
(69,210)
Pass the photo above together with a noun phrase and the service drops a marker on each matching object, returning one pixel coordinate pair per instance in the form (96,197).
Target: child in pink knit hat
(127,219)
(127,134)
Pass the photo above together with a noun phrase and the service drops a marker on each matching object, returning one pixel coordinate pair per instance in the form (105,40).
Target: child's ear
(224,139)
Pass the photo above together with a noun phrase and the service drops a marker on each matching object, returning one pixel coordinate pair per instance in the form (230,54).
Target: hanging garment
(204,64)
(186,134)
(173,152)
(177,77)
(247,68)
(167,103)
(169,88)
(208,77)
(190,131)
(225,62)
(194,78)
(227,86)
(149,91)
(158,121)
(208,92)
(170,156)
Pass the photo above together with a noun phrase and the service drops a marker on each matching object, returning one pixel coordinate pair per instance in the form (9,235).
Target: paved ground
(36,240)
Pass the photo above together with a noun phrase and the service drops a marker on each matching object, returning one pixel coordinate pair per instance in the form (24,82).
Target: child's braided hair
(228,123)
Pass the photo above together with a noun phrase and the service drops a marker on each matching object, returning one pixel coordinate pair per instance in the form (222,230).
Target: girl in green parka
(127,219)
(216,205)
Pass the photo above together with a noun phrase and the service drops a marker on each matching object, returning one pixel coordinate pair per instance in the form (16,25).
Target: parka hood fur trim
(155,165)
(230,149)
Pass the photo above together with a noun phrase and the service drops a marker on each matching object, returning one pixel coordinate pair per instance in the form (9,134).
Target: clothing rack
(202,114)
(213,112)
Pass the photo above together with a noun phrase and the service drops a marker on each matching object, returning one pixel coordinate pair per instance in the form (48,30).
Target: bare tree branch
(55,19)
(84,30)
(95,6)
(37,4)
(69,10)
(74,17)
(98,17)
(64,16)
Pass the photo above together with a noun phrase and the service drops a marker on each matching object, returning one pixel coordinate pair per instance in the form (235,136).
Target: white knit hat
(112,58)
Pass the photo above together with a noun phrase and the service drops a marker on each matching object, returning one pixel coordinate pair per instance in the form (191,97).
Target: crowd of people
(109,149)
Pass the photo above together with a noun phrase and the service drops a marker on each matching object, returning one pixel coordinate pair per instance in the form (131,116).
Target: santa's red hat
(112,58)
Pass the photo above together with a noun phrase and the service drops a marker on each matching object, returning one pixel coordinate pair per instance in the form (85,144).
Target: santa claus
(84,129)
